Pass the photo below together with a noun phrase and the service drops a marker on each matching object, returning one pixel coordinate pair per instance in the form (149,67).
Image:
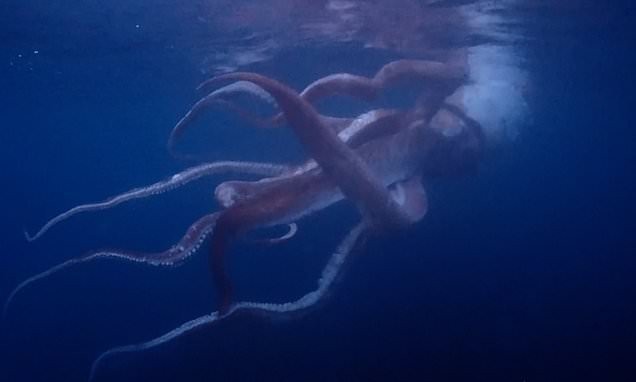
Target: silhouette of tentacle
(175,255)
(326,281)
(171,183)
(337,160)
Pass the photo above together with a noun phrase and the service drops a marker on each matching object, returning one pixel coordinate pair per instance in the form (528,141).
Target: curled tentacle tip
(28,237)
(292,229)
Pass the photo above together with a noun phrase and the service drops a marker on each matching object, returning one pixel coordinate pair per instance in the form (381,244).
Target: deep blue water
(521,272)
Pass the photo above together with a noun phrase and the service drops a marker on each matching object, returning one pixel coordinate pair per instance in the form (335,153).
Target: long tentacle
(356,86)
(391,74)
(359,87)
(337,160)
(325,283)
(216,98)
(171,183)
(212,99)
(368,88)
(173,256)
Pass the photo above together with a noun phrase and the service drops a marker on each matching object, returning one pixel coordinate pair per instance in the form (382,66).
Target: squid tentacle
(326,281)
(173,256)
(177,180)
(364,128)
(371,125)
(261,122)
(337,160)
(368,88)
(215,98)
(356,86)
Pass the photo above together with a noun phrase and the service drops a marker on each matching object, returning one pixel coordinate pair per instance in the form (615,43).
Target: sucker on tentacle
(175,181)
(173,256)
(329,274)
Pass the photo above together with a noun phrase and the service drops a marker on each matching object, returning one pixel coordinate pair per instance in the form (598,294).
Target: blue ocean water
(521,272)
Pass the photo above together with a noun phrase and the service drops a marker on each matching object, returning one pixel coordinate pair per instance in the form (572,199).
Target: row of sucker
(175,181)
(174,256)
(326,280)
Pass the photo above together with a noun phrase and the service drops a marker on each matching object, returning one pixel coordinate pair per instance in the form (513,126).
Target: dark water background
(524,272)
